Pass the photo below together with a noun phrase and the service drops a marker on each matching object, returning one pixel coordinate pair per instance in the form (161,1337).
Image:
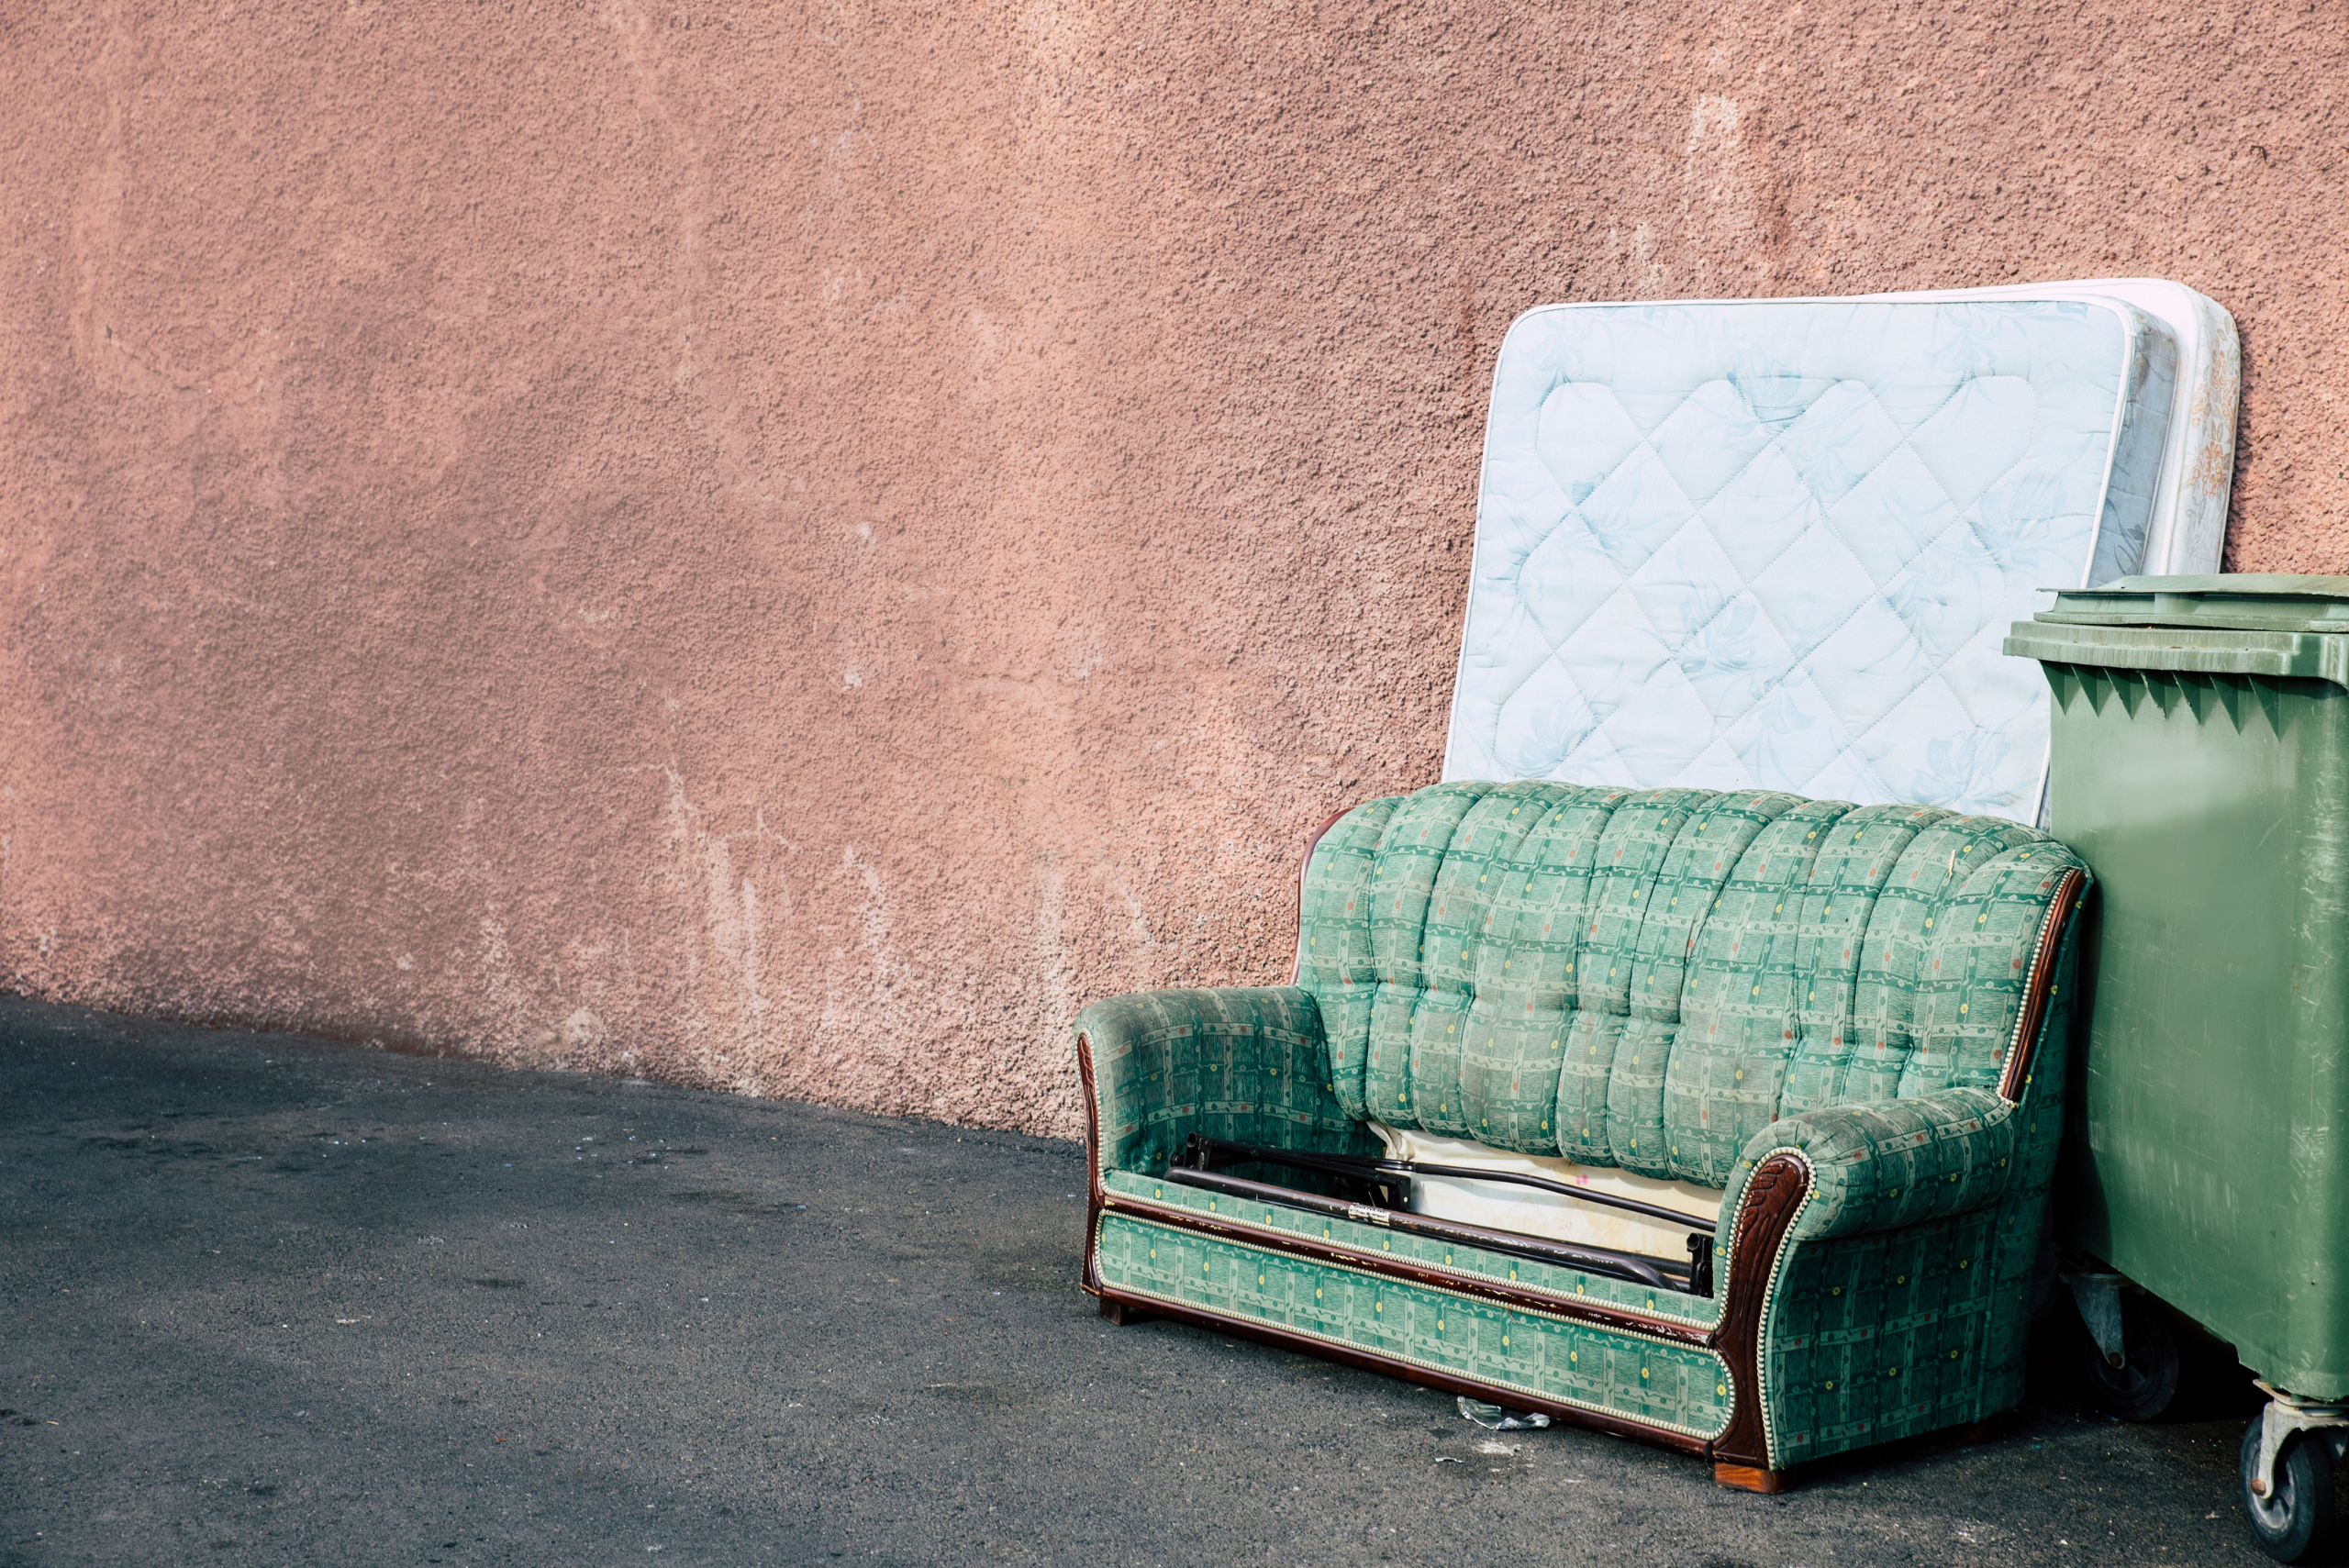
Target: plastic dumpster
(2200,764)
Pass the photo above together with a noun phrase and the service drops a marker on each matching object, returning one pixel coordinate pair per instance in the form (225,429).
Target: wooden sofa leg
(1747,1478)
(1119,1314)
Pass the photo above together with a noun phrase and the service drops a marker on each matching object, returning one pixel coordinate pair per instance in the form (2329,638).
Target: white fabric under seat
(1530,1211)
(1776,544)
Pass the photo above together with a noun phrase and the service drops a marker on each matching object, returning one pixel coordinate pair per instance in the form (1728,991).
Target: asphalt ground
(266,1299)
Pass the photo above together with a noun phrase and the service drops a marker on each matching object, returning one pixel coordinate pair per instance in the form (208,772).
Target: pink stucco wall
(791,546)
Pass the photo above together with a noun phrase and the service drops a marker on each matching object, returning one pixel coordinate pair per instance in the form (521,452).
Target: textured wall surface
(792,546)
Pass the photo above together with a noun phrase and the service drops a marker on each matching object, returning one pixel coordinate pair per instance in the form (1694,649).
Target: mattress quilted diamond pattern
(1776,544)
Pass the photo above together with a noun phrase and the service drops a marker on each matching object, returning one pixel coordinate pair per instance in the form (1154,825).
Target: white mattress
(1530,1211)
(1775,543)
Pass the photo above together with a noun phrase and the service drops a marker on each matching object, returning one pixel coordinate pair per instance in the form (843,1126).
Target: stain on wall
(790,547)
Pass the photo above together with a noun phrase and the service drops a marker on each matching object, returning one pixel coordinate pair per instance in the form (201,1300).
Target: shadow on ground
(277,1300)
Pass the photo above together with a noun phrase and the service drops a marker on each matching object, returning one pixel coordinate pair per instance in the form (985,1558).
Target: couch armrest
(1890,1164)
(1245,1063)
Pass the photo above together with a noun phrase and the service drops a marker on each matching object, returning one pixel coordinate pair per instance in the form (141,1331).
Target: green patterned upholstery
(1518,1354)
(1901,1163)
(1896,1312)
(1240,1063)
(1648,979)
(1685,984)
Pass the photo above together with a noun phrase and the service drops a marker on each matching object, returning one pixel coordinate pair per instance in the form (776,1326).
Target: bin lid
(2242,601)
(2238,624)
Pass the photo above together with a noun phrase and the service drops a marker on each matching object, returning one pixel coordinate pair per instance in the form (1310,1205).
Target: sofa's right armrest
(1245,1063)
(1892,1163)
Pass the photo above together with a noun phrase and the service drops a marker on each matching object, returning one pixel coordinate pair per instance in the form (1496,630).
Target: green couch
(1850,1022)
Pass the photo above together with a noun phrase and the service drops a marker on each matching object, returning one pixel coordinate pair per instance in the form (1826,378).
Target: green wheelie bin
(2200,764)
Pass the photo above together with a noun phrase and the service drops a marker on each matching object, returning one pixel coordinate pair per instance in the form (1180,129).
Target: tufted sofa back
(1647,978)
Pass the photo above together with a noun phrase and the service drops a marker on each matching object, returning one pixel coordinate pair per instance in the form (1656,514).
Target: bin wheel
(2142,1389)
(2298,1524)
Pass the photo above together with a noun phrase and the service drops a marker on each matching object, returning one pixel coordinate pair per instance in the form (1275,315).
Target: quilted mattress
(1775,543)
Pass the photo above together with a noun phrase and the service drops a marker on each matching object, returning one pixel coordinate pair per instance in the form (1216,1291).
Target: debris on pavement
(1495,1418)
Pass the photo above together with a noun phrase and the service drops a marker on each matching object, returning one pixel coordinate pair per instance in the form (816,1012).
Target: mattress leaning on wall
(1775,543)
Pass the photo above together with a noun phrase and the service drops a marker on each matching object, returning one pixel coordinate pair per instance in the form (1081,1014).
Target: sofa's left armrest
(1888,1165)
(1245,1063)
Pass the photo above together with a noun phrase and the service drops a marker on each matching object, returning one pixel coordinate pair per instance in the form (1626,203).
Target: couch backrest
(1647,978)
